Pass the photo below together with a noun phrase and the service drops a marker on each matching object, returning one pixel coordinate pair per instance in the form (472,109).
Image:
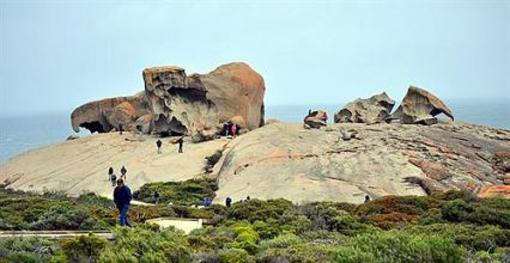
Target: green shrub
(235,255)
(245,237)
(494,212)
(393,246)
(144,243)
(255,209)
(486,238)
(83,248)
(190,192)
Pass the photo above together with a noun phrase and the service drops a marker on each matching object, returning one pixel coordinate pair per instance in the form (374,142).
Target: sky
(57,55)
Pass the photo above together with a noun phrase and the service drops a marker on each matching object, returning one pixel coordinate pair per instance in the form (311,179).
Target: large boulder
(175,103)
(106,114)
(178,103)
(420,107)
(372,110)
(237,91)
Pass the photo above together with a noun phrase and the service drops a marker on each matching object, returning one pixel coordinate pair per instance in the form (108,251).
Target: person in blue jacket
(122,197)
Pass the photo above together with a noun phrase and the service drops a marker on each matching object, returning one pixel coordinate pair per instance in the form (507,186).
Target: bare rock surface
(285,160)
(420,107)
(372,110)
(81,165)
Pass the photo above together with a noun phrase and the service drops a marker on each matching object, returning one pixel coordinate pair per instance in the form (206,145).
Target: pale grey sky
(56,55)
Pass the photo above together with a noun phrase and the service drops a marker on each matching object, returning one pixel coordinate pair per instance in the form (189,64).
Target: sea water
(19,134)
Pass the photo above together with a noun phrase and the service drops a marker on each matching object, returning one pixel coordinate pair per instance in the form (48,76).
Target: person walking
(228,201)
(113,179)
(122,197)
(158,144)
(207,201)
(123,173)
(367,198)
(180,141)
(121,128)
(110,172)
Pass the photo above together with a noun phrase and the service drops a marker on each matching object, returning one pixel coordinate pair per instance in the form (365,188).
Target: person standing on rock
(110,173)
(367,198)
(180,141)
(123,172)
(122,197)
(233,130)
(121,128)
(228,201)
(158,144)
(113,179)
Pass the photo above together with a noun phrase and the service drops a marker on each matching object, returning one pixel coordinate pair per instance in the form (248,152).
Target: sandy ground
(81,165)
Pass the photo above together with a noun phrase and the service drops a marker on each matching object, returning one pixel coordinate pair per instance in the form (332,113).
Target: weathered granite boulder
(372,110)
(420,107)
(316,119)
(178,103)
(106,115)
(236,90)
(175,103)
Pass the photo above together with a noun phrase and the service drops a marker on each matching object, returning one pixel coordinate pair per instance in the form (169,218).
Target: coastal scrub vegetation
(446,227)
(189,192)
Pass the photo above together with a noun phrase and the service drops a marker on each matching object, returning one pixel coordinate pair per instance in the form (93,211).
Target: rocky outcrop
(284,160)
(107,114)
(420,107)
(315,119)
(175,103)
(237,91)
(372,110)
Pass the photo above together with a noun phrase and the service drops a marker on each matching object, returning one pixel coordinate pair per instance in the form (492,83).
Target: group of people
(180,142)
(112,177)
(230,129)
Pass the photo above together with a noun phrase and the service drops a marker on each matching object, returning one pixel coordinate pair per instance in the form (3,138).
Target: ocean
(19,134)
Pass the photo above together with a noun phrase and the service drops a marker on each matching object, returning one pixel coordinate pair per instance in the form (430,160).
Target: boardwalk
(56,234)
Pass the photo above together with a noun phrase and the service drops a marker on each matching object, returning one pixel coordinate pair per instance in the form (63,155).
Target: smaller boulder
(316,119)
(420,107)
(372,110)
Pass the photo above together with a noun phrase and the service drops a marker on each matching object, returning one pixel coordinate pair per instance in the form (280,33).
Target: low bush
(190,192)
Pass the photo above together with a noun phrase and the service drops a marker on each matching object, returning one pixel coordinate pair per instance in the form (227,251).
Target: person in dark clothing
(228,201)
(113,179)
(248,198)
(367,198)
(121,128)
(158,144)
(123,172)
(110,172)
(207,201)
(156,197)
(180,141)
(226,128)
(122,197)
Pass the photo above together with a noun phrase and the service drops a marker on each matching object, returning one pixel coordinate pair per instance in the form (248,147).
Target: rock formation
(284,160)
(372,110)
(106,115)
(316,119)
(237,91)
(420,107)
(178,103)
(175,103)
